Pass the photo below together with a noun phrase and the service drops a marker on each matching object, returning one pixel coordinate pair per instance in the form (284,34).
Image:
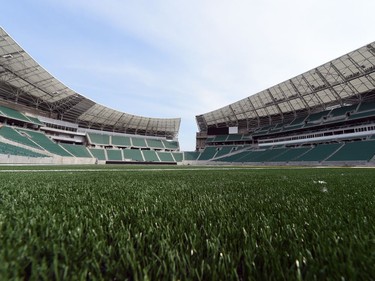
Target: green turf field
(201,223)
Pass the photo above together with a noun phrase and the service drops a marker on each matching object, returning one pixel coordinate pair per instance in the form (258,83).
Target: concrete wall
(13,159)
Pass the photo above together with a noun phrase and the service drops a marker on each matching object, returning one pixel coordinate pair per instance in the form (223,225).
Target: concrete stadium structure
(34,100)
(323,116)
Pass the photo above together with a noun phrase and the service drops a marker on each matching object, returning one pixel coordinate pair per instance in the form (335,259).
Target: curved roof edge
(24,81)
(338,82)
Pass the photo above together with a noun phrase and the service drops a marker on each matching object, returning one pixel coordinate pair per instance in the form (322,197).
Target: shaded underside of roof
(24,81)
(340,82)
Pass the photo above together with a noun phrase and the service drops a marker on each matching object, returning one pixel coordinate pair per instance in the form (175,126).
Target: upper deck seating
(13,135)
(172,145)
(42,140)
(35,120)
(359,115)
(100,139)
(366,106)
(120,141)
(234,137)
(341,111)
(220,138)
(298,121)
(155,143)
(14,114)
(210,139)
(139,142)
(315,117)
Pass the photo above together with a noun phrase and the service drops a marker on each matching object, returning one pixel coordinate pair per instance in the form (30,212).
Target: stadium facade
(325,116)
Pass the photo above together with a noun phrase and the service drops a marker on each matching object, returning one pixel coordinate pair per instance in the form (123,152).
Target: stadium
(92,193)
(324,116)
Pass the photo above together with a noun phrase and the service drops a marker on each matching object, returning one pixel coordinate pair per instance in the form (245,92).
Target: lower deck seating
(178,156)
(11,134)
(150,156)
(291,154)
(223,151)
(355,151)
(77,150)
(43,141)
(98,153)
(6,148)
(208,153)
(114,154)
(191,155)
(133,155)
(166,156)
(320,152)
(172,145)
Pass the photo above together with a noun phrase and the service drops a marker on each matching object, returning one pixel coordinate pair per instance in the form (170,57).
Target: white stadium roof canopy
(24,81)
(342,81)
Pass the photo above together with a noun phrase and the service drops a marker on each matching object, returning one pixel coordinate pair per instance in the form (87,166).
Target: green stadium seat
(100,139)
(150,156)
(366,106)
(14,114)
(120,141)
(155,143)
(178,156)
(13,135)
(139,142)
(98,153)
(6,148)
(320,152)
(360,115)
(220,138)
(224,151)
(77,150)
(171,145)
(165,156)
(42,140)
(191,155)
(291,154)
(114,154)
(35,120)
(133,154)
(355,151)
(234,137)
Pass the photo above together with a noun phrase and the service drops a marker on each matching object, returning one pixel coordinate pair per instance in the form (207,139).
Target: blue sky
(183,58)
